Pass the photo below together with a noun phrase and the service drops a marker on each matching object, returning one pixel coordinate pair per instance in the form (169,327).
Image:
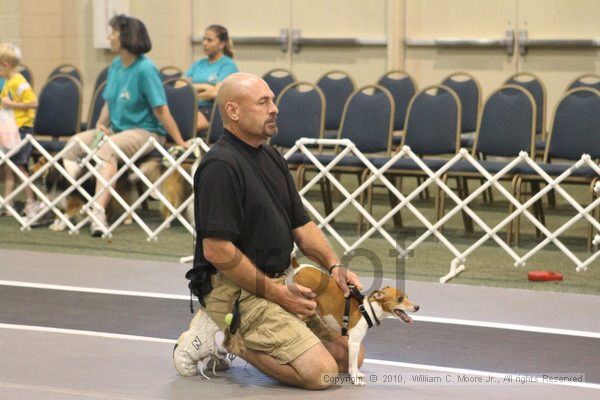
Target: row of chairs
(166,73)
(338,85)
(506,126)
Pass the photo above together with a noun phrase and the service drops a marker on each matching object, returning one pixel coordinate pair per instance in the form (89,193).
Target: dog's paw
(58,225)
(357,378)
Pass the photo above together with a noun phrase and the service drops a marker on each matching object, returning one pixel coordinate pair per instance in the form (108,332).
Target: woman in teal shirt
(135,110)
(208,73)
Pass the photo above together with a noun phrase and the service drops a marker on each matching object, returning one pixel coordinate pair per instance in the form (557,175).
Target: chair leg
(300,178)
(485,192)
(467,221)
(511,209)
(335,194)
(490,195)
(440,198)
(465,183)
(552,198)
(591,231)
(538,208)
(422,195)
(394,202)
(369,207)
(362,200)
(326,194)
(359,176)
(520,197)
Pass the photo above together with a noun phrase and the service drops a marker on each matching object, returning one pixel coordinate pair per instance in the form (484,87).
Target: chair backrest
(586,80)
(433,121)
(507,124)
(576,126)
(368,119)
(337,86)
(182,102)
(402,87)
(468,91)
(301,114)
(67,69)
(278,79)
(96,106)
(26,72)
(216,129)
(169,72)
(536,88)
(101,78)
(59,107)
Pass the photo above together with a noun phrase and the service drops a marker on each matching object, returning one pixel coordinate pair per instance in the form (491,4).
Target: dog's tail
(152,169)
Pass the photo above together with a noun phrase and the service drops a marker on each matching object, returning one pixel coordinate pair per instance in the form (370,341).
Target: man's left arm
(314,245)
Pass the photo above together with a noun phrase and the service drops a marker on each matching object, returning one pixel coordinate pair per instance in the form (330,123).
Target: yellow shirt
(20,91)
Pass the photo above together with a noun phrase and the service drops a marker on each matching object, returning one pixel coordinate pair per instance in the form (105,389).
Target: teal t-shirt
(132,93)
(2,80)
(203,71)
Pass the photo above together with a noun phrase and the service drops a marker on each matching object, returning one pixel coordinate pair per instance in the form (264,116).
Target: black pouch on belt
(199,284)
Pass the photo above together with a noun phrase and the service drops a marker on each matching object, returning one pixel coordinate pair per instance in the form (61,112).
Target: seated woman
(136,108)
(208,73)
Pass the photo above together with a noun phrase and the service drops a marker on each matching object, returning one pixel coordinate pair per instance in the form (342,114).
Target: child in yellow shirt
(18,96)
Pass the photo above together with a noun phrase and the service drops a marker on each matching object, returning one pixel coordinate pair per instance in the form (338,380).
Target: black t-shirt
(247,196)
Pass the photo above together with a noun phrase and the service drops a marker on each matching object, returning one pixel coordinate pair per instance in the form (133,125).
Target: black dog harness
(354,292)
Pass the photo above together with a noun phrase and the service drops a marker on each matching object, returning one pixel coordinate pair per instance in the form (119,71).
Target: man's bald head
(235,87)
(247,105)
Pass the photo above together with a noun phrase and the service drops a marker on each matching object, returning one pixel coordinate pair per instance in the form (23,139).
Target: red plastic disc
(544,276)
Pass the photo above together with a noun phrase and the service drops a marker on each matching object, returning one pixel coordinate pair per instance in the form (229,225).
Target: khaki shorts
(265,326)
(129,141)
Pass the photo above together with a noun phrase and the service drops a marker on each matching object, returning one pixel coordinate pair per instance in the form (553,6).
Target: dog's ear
(378,295)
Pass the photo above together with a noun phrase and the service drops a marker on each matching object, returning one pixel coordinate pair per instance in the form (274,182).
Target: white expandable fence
(89,164)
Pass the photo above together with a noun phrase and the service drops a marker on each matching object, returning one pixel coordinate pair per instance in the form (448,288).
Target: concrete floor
(61,339)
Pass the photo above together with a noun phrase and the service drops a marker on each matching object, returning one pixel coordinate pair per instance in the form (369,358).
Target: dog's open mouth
(403,316)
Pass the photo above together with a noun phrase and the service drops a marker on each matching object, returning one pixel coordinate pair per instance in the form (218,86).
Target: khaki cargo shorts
(129,142)
(265,326)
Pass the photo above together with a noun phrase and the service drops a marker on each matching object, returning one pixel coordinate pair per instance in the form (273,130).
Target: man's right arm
(234,265)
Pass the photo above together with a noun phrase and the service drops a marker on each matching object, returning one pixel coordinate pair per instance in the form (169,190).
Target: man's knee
(315,376)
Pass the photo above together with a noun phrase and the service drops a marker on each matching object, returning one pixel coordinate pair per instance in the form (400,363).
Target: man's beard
(271,132)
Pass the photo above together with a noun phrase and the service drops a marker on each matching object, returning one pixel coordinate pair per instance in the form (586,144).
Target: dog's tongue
(404,317)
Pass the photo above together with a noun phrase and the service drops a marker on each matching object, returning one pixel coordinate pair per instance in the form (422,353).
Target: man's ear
(233,111)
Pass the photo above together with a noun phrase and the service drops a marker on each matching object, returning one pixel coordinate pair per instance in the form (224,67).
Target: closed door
(257,25)
(442,37)
(309,37)
(348,35)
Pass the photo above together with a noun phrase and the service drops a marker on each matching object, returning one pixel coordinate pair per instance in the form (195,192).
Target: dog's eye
(400,299)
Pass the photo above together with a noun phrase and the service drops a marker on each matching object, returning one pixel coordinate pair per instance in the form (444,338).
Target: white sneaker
(97,228)
(203,342)
(32,209)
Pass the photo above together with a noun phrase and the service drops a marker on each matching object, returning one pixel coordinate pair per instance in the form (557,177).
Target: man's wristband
(334,266)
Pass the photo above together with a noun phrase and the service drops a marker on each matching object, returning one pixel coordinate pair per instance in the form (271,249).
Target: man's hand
(296,299)
(344,277)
